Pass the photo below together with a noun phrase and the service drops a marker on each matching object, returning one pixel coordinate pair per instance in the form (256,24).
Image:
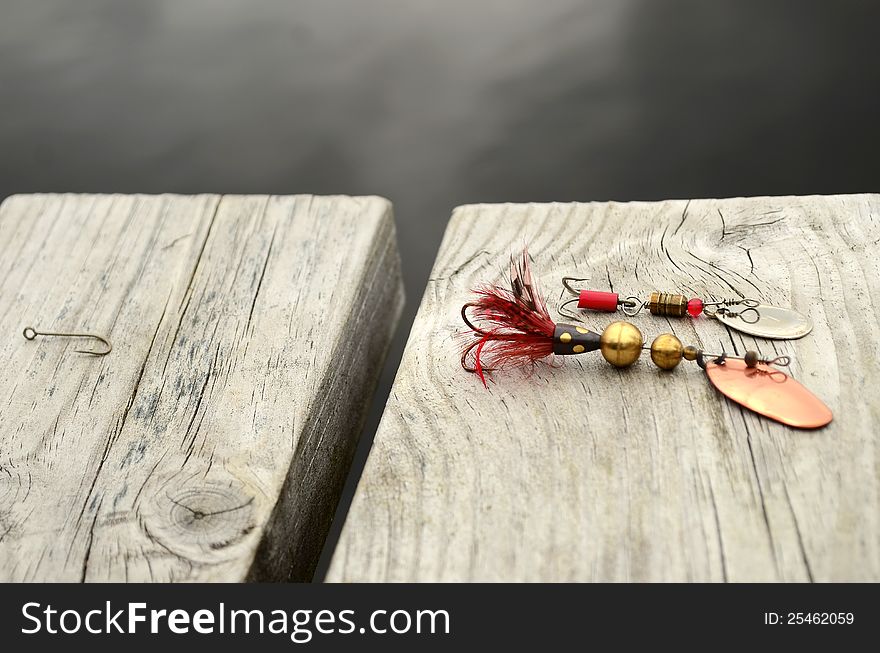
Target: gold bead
(690,353)
(621,344)
(666,351)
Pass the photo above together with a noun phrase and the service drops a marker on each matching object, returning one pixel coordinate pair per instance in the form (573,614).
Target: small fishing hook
(564,311)
(464,357)
(632,305)
(30,333)
(470,324)
(480,332)
(566,283)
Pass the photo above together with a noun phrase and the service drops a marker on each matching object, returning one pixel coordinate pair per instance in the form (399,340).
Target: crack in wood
(262,276)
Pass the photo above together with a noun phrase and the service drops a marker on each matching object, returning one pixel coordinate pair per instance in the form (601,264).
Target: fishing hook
(31,333)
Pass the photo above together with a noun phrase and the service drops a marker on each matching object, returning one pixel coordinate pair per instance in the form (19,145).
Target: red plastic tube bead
(597,300)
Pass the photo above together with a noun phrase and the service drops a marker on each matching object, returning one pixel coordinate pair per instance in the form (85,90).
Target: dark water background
(435,104)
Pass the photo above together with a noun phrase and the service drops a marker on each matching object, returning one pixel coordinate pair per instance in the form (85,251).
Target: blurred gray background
(438,103)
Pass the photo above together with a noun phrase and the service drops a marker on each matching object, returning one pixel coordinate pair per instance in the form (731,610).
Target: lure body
(745,315)
(517,330)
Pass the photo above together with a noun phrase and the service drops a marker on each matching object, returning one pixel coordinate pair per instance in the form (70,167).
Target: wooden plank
(587,473)
(213,442)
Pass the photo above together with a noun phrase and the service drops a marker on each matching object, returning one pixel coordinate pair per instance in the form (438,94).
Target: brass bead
(664,303)
(621,344)
(666,351)
(690,353)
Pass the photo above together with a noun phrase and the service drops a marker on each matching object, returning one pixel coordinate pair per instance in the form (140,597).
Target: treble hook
(30,333)
(480,332)
(632,305)
(566,312)
(468,322)
(567,285)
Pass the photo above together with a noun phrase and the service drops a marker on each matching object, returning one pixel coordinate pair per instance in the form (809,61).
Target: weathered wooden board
(212,443)
(585,472)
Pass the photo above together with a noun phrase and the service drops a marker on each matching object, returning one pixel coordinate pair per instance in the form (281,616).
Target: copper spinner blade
(769,392)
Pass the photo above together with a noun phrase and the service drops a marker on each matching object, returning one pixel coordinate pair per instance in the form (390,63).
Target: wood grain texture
(213,442)
(588,473)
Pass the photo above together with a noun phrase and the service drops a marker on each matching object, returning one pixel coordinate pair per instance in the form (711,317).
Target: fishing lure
(746,315)
(516,330)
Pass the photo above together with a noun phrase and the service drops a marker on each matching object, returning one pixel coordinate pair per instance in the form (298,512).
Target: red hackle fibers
(513,327)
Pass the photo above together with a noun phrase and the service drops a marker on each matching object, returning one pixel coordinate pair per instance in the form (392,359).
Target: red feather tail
(518,331)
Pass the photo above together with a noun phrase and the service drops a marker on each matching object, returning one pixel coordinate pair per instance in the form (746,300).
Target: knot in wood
(203,523)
